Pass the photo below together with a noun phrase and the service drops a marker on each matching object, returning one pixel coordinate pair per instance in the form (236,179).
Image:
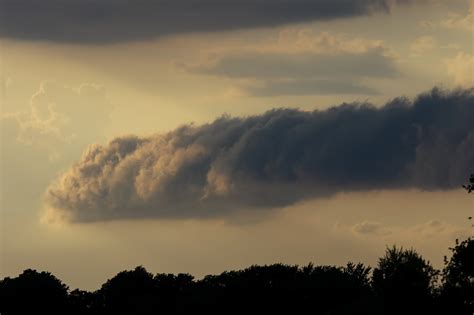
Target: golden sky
(72,87)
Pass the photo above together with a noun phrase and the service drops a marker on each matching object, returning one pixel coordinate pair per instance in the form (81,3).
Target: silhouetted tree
(33,292)
(458,278)
(84,303)
(175,292)
(291,289)
(470,187)
(130,292)
(404,282)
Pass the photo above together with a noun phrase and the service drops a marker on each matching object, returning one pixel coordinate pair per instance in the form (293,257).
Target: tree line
(402,282)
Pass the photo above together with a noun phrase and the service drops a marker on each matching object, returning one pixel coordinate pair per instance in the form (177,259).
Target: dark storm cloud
(271,160)
(99,21)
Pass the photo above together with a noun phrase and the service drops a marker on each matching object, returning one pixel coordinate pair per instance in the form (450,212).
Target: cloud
(423,44)
(100,21)
(57,114)
(435,228)
(461,22)
(428,24)
(308,87)
(266,65)
(421,233)
(416,233)
(370,228)
(301,62)
(461,68)
(271,160)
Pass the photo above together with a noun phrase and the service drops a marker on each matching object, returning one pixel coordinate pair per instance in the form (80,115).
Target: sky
(201,136)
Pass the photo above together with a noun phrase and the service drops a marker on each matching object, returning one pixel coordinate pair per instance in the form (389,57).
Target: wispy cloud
(461,21)
(302,62)
(461,68)
(56,116)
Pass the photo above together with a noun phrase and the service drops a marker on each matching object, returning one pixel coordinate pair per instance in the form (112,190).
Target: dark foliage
(404,282)
(32,290)
(401,283)
(458,279)
(469,187)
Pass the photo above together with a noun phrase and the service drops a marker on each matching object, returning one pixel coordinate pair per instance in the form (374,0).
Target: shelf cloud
(272,160)
(109,21)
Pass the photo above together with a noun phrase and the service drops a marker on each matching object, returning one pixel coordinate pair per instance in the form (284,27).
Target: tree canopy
(402,282)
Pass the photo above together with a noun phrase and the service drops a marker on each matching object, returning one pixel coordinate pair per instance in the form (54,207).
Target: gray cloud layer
(309,87)
(98,21)
(304,73)
(274,159)
(305,65)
